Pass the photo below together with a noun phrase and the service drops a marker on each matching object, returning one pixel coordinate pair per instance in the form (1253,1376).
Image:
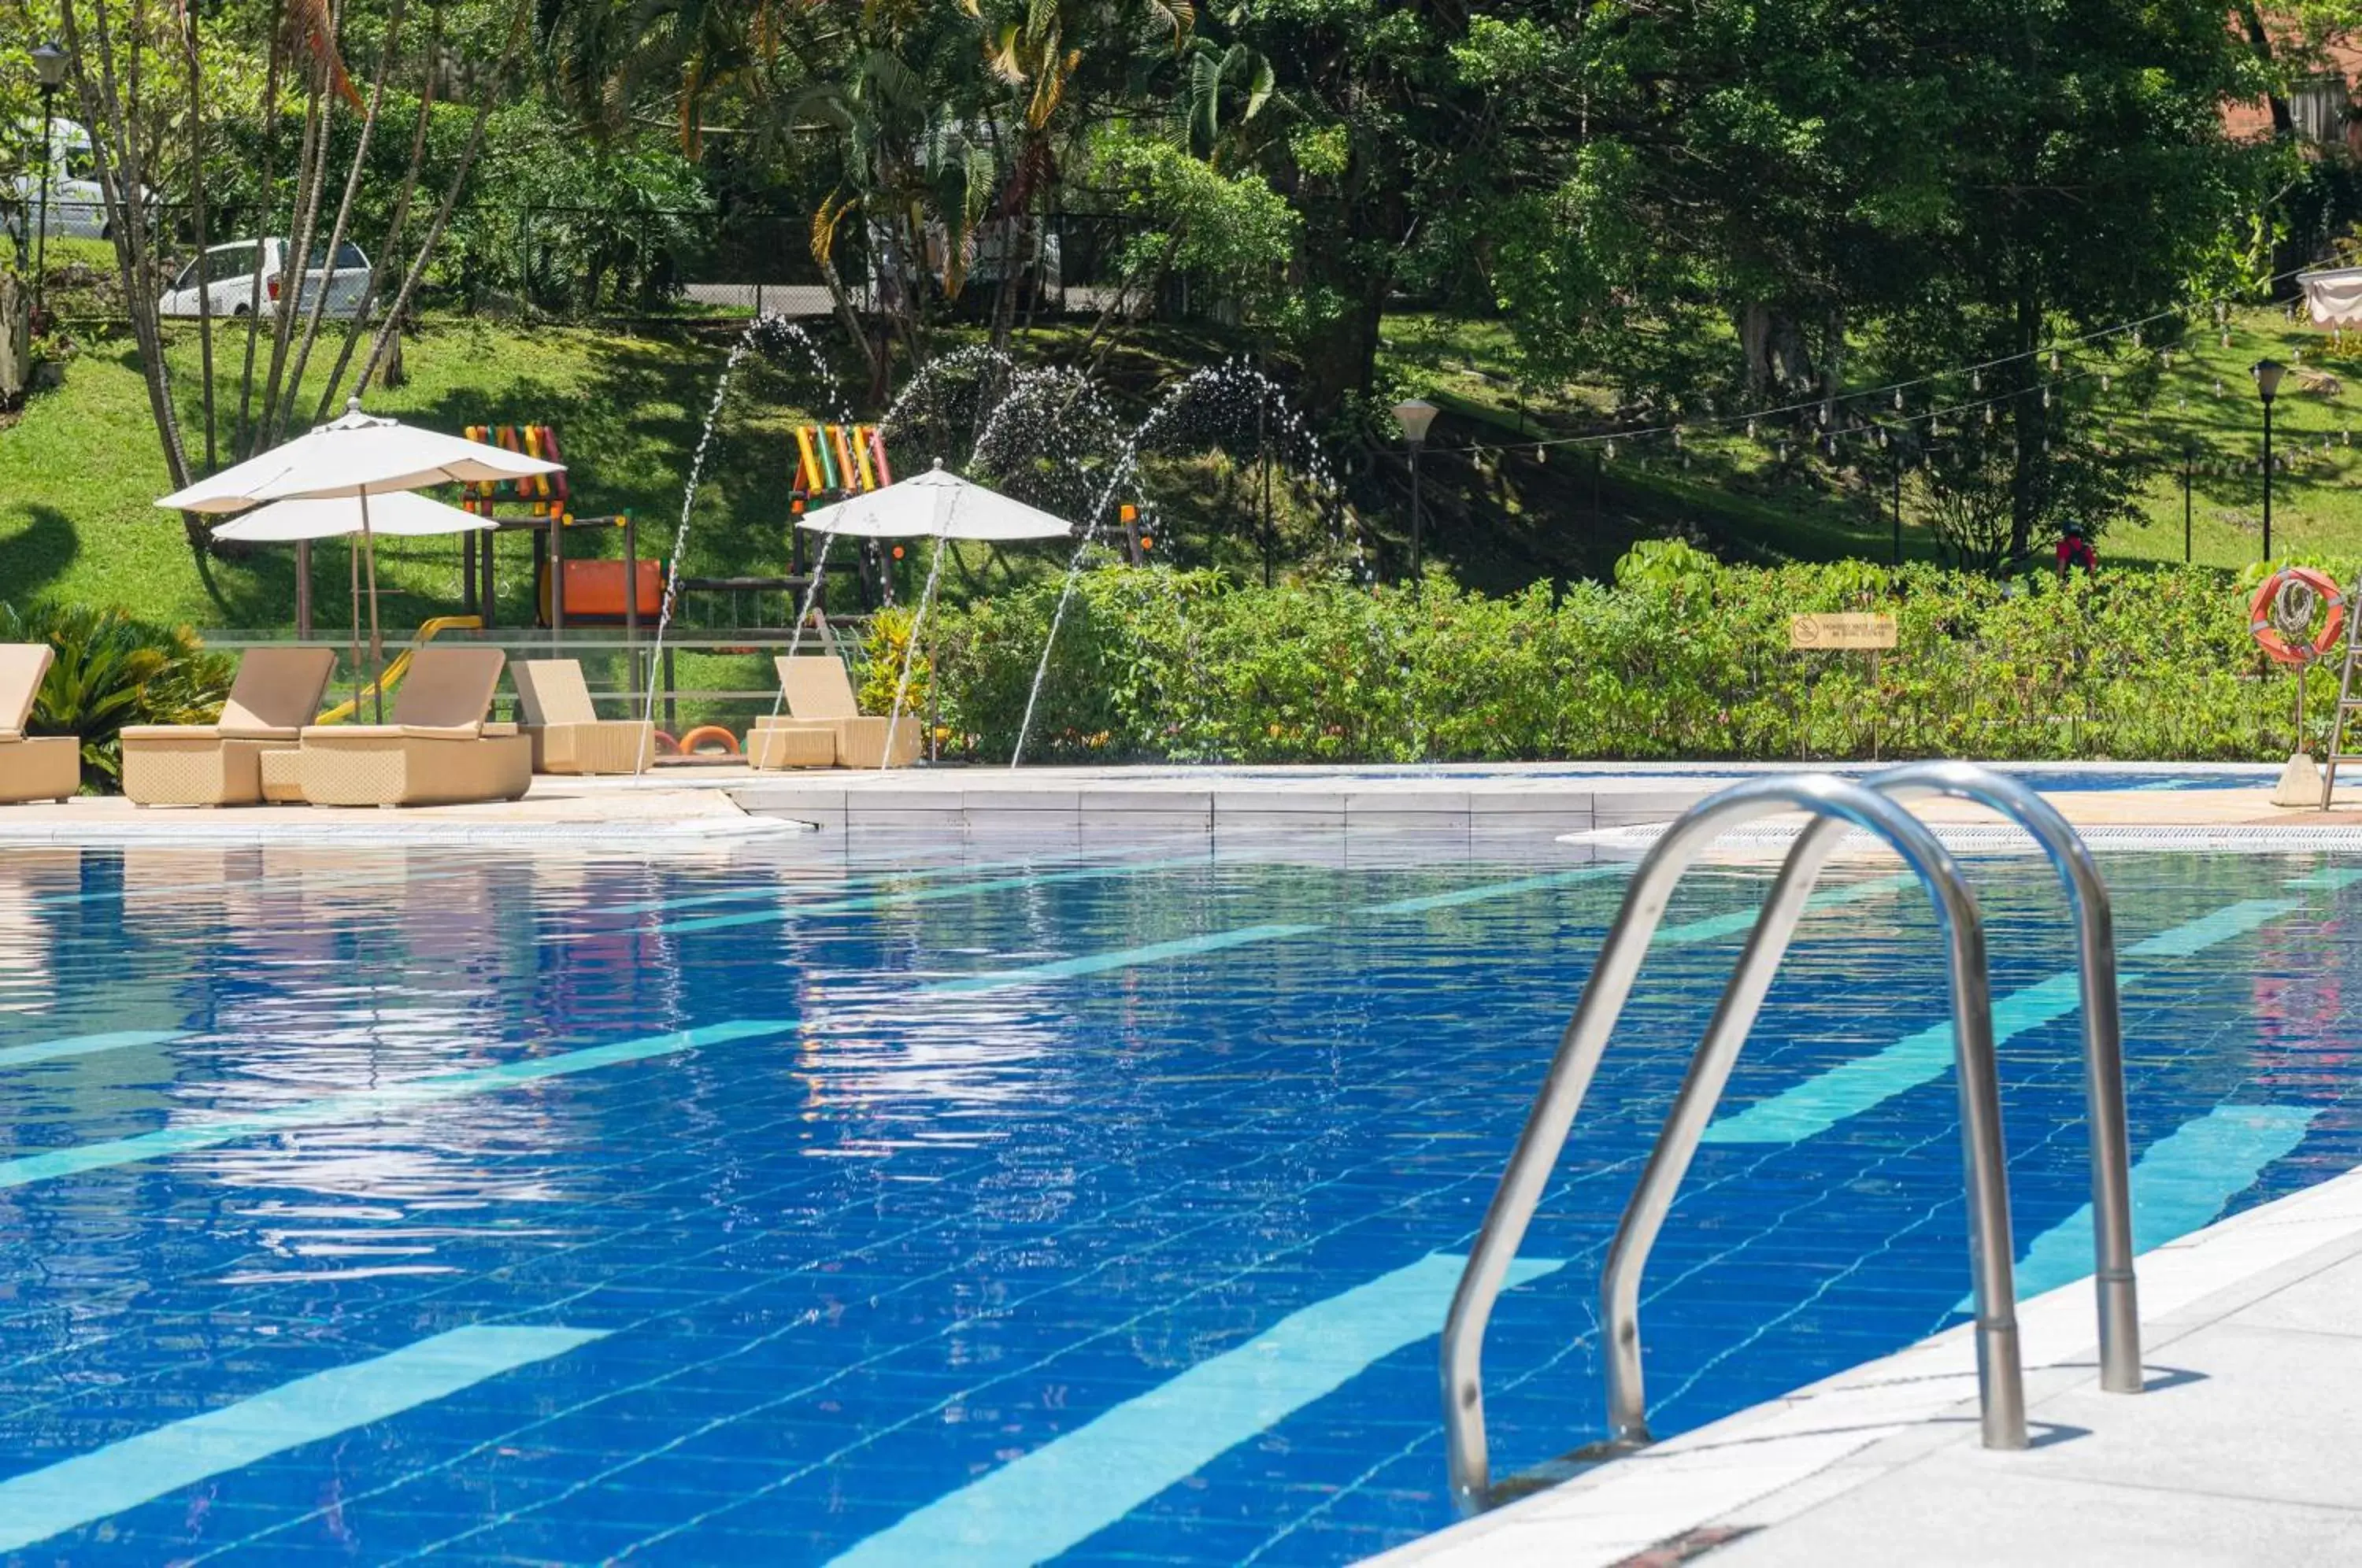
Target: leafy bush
(1683,658)
(111,671)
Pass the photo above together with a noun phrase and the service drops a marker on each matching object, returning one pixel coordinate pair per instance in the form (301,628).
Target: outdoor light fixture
(2268,374)
(1414,414)
(50,64)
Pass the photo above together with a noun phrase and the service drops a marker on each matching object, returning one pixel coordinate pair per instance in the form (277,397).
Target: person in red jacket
(2075,550)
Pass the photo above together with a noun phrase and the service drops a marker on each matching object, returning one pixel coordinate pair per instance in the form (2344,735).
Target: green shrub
(1683,658)
(110,670)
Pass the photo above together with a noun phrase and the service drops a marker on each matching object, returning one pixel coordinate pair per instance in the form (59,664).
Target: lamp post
(1414,414)
(2268,374)
(50,64)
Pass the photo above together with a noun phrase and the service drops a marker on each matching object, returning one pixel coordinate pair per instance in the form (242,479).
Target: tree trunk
(198,206)
(2030,421)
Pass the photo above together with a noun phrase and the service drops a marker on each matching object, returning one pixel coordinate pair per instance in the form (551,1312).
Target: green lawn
(1728,489)
(80,470)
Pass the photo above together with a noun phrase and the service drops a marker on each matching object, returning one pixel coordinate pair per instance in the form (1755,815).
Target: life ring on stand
(2284,606)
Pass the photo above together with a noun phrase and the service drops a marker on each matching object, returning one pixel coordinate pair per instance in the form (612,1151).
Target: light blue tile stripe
(1120,958)
(1742,920)
(895,900)
(1822,1102)
(1458,896)
(2331,877)
(1076,1485)
(295,881)
(368,1102)
(776,889)
(2180,1184)
(2206,931)
(86,1044)
(80,1491)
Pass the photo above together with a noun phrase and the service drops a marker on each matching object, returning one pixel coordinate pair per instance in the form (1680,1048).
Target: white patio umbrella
(932,505)
(402,514)
(355,457)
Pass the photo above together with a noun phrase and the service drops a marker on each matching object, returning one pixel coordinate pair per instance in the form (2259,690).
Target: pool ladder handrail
(1836,806)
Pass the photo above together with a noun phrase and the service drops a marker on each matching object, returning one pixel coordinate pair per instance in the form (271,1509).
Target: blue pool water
(997,1209)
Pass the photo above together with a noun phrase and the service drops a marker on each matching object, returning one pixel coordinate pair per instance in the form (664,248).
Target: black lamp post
(1414,414)
(2268,374)
(50,64)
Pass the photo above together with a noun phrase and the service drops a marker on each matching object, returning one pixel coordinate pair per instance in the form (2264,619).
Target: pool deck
(2240,1450)
(1608,807)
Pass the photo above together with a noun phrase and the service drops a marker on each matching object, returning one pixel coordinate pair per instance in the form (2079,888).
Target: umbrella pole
(911,647)
(377,645)
(353,561)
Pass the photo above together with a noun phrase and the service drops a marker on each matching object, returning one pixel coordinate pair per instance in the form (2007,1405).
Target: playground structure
(591,590)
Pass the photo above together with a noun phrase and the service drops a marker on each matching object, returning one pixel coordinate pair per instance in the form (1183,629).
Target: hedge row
(1680,659)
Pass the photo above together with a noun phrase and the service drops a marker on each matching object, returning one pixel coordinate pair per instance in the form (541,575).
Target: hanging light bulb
(2103,381)
(2045,397)
(1976,380)
(1611,451)
(2136,337)
(1989,413)
(2054,361)
(1881,438)
(1750,430)
(1898,400)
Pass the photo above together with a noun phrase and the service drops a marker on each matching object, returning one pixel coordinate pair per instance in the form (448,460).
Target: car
(77,206)
(228,286)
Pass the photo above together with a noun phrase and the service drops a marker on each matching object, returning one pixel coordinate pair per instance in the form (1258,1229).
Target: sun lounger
(565,729)
(821,702)
(276,693)
(438,750)
(32,768)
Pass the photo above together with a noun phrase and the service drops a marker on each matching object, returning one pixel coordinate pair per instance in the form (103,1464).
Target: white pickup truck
(221,280)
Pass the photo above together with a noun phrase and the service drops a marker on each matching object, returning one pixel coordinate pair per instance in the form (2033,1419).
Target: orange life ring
(690,742)
(2270,638)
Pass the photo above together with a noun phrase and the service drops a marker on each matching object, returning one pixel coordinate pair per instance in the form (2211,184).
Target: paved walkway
(2241,1449)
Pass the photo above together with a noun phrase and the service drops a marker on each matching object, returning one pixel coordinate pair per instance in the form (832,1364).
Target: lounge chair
(32,768)
(438,751)
(564,728)
(824,724)
(275,694)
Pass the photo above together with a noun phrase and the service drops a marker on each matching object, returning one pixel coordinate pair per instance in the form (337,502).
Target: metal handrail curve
(1839,803)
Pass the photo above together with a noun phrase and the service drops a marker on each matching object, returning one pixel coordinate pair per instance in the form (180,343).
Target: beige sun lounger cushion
(564,726)
(820,698)
(276,693)
(32,768)
(436,750)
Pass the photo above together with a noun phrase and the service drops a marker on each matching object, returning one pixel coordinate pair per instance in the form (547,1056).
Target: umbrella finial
(939,463)
(353,404)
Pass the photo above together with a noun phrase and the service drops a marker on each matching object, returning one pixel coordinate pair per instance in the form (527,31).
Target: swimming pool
(995,1209)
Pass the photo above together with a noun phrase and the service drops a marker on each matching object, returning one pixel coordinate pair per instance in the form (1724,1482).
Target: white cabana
(355,458)
(2333,297)
(932,505)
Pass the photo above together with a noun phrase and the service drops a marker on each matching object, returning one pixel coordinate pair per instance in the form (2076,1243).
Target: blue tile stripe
(1120,958)
(1458,896)
(2180,1184)
(399,1096)
(894,900)
(1822,1102)
(1838,897)
(72,1493)
(1125,957)
(1076,1485)
(86,1044)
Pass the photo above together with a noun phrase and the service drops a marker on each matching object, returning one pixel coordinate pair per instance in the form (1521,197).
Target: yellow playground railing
(401,665)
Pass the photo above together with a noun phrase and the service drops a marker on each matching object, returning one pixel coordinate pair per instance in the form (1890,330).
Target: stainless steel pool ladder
(1836,806)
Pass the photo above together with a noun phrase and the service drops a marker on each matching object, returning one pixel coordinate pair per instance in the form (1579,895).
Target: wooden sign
(1841,632)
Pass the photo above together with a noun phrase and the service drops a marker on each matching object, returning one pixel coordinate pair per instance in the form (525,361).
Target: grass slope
(80,470)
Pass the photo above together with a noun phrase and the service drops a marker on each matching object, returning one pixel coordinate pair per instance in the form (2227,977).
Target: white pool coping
(2252,1332)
